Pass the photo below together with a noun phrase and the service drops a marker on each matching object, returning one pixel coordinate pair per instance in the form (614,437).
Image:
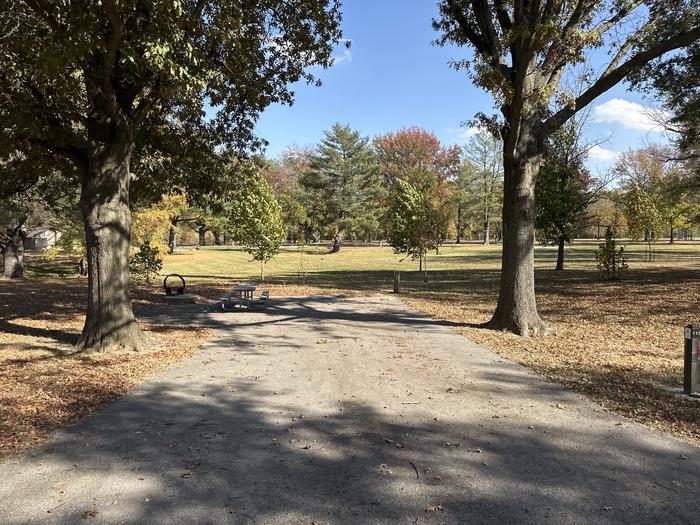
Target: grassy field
(618,342)
(374,266)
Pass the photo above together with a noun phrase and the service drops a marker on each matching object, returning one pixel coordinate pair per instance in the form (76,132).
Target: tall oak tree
(521,51)
(96,80)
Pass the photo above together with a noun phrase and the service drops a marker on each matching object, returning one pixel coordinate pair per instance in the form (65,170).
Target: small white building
(40,239)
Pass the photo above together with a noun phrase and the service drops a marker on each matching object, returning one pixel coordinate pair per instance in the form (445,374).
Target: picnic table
(242,295)
(245,291)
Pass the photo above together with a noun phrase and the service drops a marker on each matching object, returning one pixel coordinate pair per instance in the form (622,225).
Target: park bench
(261,301)
(230,300)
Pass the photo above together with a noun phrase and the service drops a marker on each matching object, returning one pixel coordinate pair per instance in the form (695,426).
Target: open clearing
(617,343)
(359,410)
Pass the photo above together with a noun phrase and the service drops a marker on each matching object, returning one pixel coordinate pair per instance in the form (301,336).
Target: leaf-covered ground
(620,343)
(44,383)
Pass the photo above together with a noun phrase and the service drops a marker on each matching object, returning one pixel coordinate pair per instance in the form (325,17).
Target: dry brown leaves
(618,342)
(44,383)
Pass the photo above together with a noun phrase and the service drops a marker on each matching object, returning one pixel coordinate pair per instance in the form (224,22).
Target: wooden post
(397,282)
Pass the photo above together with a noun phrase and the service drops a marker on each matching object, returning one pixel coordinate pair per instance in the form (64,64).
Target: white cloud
(602,154)
(629,114)
(345,55)
(464,134)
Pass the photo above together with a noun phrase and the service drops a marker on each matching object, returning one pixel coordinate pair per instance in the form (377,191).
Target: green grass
(361,267)
(37,266)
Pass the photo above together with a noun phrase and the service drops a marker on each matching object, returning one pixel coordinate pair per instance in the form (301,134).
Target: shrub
(609,258)
(146,263)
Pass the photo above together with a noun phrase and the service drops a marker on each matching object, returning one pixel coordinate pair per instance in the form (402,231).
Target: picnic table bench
(242,295)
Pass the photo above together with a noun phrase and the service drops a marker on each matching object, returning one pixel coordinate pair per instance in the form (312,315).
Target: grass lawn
(617,342)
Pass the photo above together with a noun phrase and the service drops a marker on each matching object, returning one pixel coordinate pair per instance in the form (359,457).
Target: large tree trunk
(487,231)
(172,240)
(13,253)
(517,309)
(217,236)
(104,202)
(560,254)
(670,239)
(202,233)
(336,244)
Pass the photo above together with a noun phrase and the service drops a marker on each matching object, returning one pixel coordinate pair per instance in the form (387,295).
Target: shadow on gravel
(236,456)
(286,309)
(217,450)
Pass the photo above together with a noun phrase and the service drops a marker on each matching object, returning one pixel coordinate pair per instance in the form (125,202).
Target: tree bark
(104,202)
(13,253)
(336,244)
(517,308)
(217,237)
(670,240)
(459,223)
(560,254)
(172,240)
(202,233)
(487,232)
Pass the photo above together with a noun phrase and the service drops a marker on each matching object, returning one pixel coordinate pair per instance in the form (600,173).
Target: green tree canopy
(256,216)
(341,182)
(565,189)
(98,82)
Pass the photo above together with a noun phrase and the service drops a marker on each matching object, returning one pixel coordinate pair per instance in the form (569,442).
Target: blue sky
(392,77)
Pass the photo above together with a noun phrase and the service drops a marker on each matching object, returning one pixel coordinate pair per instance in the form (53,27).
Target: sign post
(397,282)
(691,360)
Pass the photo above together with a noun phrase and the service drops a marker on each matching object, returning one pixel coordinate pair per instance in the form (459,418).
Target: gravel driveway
(355,411)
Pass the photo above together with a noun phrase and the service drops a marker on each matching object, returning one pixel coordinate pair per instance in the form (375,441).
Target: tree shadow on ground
(286,309)
(232,454)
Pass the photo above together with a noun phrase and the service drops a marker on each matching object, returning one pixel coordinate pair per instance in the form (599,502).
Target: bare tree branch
(612,77)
